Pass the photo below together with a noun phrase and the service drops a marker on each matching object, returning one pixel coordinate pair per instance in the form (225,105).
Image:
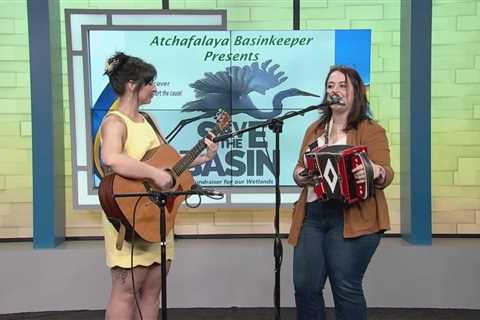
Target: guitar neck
(184,163)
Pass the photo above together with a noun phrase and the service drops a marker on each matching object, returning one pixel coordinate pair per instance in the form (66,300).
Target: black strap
(160,137)
(153,125)
(326,132)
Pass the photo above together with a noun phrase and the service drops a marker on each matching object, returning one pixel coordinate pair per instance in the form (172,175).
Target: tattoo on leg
(122,275)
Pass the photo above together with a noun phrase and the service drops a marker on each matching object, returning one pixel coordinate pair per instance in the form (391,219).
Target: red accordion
(333,165)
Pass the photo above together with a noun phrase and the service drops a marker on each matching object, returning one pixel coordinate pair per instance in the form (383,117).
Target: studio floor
(257,314)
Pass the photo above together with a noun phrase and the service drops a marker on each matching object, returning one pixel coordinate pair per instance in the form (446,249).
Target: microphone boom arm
(271,122)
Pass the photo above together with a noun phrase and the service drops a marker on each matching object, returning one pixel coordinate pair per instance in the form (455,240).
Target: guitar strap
(159,135)
(120,227)
(121,236)
(153,125)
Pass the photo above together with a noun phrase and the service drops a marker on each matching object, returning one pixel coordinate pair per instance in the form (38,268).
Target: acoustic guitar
(121,210)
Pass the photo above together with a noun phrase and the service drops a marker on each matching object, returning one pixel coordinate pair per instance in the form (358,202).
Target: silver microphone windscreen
(336,100)
(204,191)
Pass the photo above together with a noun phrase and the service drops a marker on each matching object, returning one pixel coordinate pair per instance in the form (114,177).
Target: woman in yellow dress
(125,138)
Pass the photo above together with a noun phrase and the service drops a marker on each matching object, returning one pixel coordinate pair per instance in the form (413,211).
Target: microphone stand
(160,198)
(276,125)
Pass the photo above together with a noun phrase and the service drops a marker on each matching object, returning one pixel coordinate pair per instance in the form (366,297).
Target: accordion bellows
(333,165)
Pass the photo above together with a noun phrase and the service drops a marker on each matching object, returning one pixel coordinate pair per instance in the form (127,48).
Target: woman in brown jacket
(331,239)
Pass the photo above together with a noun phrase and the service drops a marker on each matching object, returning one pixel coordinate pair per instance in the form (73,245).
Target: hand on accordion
(303,178)
(360,173)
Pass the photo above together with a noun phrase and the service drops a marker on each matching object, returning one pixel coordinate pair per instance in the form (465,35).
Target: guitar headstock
(223,121)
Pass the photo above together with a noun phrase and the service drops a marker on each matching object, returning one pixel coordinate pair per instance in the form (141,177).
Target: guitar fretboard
(184,163)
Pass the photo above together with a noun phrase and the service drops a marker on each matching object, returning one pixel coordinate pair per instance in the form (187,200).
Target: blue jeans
(323,252)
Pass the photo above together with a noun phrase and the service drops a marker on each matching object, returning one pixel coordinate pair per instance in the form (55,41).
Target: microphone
(206,192)
(336,100)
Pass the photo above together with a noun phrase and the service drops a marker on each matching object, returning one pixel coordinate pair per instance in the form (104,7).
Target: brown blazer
(361,218)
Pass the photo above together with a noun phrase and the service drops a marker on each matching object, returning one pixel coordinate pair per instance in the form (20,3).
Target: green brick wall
(455,105)
(455,122)
(15,123)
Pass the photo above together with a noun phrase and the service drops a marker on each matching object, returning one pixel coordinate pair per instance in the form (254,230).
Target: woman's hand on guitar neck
(212,147)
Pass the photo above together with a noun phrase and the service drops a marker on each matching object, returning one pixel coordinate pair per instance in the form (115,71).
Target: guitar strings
(182,165)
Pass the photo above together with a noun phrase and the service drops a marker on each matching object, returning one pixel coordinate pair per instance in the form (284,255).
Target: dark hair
(360,107)
(122,68)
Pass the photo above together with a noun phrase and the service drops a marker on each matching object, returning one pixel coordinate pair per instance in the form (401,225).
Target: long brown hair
(360,108)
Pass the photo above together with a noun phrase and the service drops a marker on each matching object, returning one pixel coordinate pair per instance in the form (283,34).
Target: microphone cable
(193,206)
(131,259)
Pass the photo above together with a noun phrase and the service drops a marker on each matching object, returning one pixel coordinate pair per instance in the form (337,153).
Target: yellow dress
(140,138)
